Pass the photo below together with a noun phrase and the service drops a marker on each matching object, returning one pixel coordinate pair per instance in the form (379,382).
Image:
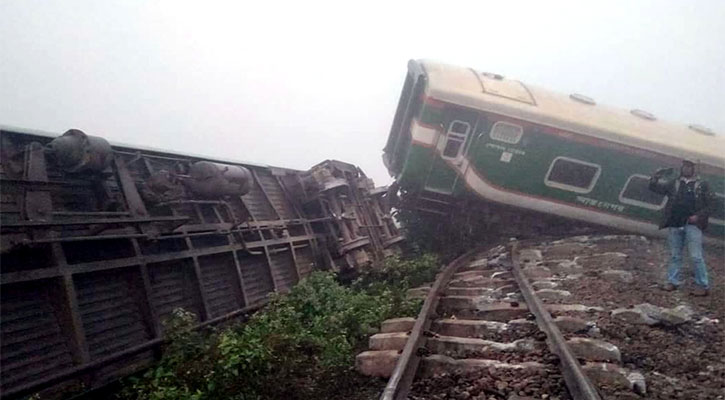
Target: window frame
(570,188)
(497,123)
(638,203)
(463,137)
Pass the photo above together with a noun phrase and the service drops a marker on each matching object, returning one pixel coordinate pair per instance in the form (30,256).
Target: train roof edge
(134,147)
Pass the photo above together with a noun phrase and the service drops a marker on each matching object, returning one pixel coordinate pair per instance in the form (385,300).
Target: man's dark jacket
(669,186)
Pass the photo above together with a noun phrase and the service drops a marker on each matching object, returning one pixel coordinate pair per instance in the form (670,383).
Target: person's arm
(703,213)
(658,183)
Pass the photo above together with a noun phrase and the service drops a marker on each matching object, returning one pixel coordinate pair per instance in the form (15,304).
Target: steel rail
(580,387)
(402,377)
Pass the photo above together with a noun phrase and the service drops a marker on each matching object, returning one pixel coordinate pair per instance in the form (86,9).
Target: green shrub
(301,346)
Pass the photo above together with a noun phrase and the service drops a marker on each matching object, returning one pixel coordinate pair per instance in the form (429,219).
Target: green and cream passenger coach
(460,133)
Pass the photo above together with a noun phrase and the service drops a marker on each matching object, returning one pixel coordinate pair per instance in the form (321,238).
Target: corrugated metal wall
(111,315)
(32,342)
(283,270)
(173,286)
(257,278)
(221,284)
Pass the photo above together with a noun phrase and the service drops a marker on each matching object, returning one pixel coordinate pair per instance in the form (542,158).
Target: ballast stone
(566,267)
(618,275)
(649,314)
(676,316)
(606,374)
(530,256)
(639,385)
(594,350)
(633,316)
(571,324)
(538,285)
(553,294)
(538,272)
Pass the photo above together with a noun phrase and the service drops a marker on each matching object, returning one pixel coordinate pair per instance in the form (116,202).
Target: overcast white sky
(292,84)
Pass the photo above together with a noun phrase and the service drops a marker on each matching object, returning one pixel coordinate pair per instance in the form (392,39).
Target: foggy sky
(292,84)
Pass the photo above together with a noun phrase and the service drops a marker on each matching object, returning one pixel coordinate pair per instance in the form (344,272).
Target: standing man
(686,215)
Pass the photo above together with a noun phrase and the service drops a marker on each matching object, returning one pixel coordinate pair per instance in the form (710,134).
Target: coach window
(456,138)
(506,132)
(718,209)
(636,192)
(572,175)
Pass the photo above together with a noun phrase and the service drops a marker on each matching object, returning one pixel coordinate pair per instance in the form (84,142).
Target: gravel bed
(681,362)
(492,384)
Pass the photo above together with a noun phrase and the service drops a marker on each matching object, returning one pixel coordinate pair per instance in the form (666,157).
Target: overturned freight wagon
(101,242)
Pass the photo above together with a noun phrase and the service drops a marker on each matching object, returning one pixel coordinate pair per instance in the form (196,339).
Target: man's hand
(692,219)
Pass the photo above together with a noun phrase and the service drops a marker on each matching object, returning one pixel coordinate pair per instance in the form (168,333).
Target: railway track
(486,331)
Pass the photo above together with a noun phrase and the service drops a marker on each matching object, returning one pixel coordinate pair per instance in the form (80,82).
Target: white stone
(618,275)
(676,316)
(552,294)
(639,385)
(544,285)
(633,316)
(594,350)
(530,256)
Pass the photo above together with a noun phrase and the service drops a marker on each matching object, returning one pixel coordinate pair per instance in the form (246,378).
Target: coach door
(451,149)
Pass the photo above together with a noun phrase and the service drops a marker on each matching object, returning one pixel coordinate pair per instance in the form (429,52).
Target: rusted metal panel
(283,270)
(258,205)
(305,261)
(276,195)
(110,313)
(257,279)
(30,335)
(172,286)
(219,277)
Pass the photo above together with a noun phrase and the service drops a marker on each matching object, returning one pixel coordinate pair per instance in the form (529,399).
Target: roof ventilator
(702,130)
(643,114)
(491,75)
(582,99)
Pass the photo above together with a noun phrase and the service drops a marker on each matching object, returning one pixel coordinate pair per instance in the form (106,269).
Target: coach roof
(577,113)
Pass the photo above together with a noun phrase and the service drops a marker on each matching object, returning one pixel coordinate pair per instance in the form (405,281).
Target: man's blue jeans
(691,236)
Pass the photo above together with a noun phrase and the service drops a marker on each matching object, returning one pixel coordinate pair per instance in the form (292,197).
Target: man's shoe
(700,292)
(668,287)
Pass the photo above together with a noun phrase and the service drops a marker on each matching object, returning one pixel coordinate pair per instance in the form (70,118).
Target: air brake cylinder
(214,180)
(75,151)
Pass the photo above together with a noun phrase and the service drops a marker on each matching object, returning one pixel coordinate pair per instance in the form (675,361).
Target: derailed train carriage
(101,242)
(469,141)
